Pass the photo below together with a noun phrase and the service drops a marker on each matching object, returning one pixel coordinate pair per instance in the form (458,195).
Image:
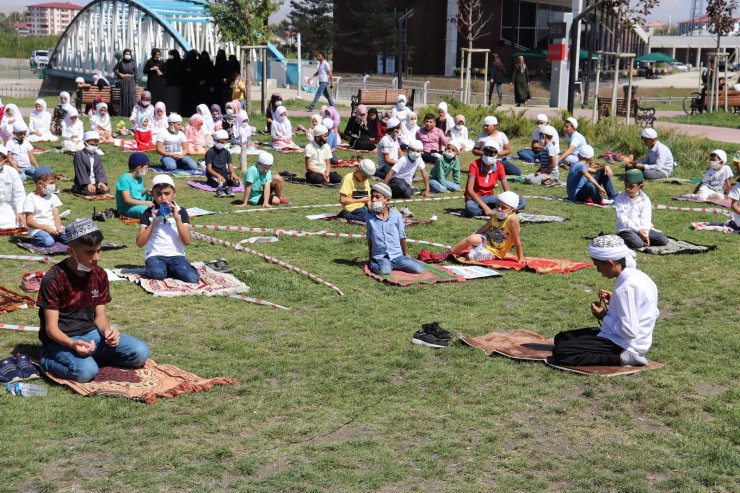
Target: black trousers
(400,189)
(582,347)
(318,178)
(212,181)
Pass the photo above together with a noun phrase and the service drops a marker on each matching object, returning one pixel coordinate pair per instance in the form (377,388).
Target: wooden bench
(109,95)
(643,115)
(382,97)
(733,101)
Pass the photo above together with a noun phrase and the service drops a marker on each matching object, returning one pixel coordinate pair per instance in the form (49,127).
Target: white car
(680,67)
(39,59)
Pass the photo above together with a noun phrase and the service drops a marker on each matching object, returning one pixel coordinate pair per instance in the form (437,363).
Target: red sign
(556,52)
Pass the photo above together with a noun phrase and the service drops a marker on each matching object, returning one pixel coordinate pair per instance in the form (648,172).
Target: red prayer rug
(431,275)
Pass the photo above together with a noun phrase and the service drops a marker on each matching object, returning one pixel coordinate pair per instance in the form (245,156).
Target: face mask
(322,141)
(80,267)
(127,57)
(489,160)
(229,111)
(449,156)
(401,105)
(145,103)
(460,126)
(244,124)
(413,155)
(91,148)
(219,145)
(278,103)
(501,214)
(49,189)
(376,206)
(716,165)
(142,173)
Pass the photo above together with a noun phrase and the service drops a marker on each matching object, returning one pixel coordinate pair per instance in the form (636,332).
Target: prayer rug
(144,384)
(706,226)
(39,150)
(105,196)
(286,150)
(13,231)
(346,163)
(293,178)
(407,221)
(722,203)
(179,173)
(536,264)
(472,271)
(524,217)
(202,185)
(129,220)
(346,147)
(60,248)
(675,246)
(431,275)
(526,345)
(211,283)
(125,144)
(10,301)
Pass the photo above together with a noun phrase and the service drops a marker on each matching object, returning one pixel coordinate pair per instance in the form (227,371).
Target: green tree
(314,20)
(365,39)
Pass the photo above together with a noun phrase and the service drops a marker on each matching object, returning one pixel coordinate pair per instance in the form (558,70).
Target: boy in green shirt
(260,186)
(446,163)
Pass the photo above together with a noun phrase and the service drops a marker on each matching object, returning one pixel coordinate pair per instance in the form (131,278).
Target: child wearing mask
(219,168)
(401,175)
(635,214)
(41,209)
(131,198)
(715,184)
(90,178)
(446,164)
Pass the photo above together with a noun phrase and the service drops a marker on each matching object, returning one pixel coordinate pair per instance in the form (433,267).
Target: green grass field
(332,395)
(716,119)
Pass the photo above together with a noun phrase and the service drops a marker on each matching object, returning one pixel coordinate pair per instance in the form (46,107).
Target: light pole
(399,24)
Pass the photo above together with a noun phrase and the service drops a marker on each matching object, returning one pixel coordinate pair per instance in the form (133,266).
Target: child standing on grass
(165,230)
(42,210)
(260,187)
(76,336)
(386,236)
(635,214)
(716,181)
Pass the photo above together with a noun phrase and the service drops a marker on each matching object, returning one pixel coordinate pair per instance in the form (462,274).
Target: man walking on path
(325,82)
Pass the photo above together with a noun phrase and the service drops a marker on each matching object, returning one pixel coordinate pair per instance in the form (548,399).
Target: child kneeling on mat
(627,316)
(386,235)
(165,230)
(76,336)
(498,235)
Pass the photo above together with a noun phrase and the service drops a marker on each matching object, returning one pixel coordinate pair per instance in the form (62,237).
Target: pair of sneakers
(224,192)
(432,335)
(17,367)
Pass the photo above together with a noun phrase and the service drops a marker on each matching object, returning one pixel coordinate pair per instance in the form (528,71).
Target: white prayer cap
(490,120)
(383,190)
(80,227)
(393,123)
(400,97)
(367,167)
(456,144)
(548,130)
(509,198)
(265,158)
(572,121)
(722,155)
(416,145)
(90,135)
(493,144)
(542,118)
(586,152)
(328,123)
(79,80)
(163,180)
(20,126)
(649,133)
(611,247)
(3,150)
(221,135)
(320,130)
(174,118)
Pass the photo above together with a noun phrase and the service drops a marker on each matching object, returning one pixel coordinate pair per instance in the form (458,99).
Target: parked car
(39,59)
(680,67)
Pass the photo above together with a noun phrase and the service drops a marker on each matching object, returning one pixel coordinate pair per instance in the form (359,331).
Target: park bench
(382,97)
(109,95)
(643,115)
(733,101)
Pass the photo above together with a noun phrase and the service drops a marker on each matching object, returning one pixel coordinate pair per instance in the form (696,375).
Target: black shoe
(229,192)
(428,340)
(98,216)
(220,193)
(437,331)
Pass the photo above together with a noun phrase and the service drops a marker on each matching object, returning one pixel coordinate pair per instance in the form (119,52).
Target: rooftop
(56,5)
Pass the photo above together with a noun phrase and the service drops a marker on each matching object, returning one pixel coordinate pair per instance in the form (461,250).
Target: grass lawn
(332,395)
(715,119)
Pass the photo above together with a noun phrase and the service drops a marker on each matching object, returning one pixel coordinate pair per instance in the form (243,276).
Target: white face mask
(80,266)
(412,123)
(501,214)
(401,105)
(449,156)
(413,155)
(219,145)
(142,173)
(127,57)
(91,148)
(376,206)
(716,165)
(229,111)
(49,189)
(489,160)
(145,102)
(460,126)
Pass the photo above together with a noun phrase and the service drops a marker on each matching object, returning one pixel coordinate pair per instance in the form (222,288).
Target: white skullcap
(3,150)
(328,123)
(393,123)
(649,133)
(163,180)
(548,130)
(509,198)
(400,97)
(221,135)
(490,120)
(383,190)
(79,80)
(542,118)
(572,121)
(320,130)
(367,167)
(611,247)
(265,158)
(20,126)
(722,155)
(492,143)
(456,144)
(416,145)
(90,135)
(586,152)
(80,227)
(174,118)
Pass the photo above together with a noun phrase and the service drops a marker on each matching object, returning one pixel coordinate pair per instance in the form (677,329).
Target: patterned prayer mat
(536,264)
(211,283)
(129,220)
(431,275)
(178,173)
(524,217)
(346,163)
(722,203)
(706,226)
(60,248)
(13,231)
(105,196)
(202,185)
(143,384)
(10,301)
(526,345)
(675,246)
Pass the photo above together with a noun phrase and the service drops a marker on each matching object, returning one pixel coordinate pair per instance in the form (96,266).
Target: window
(527,23)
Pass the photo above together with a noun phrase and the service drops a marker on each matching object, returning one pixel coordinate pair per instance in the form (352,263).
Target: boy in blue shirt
(582,186)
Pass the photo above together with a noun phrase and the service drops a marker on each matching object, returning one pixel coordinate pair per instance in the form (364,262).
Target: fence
(10,92)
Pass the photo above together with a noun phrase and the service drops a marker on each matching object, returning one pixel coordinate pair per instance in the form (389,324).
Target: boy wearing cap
(446,163)
(219,168)
(658,162)
(491,134)
(76,336)
(483,174)
(332,139)
(548,172)
(582,186)
(354,195)
(626,316)
(260,187)
(90,178)
(389,150)
(165,235)
(532,154)
(12,194)
(576,141)
(20,155)
(401,175)
(41,208)
(131,198)
(432,138)
(317,156)
(386,236)
(172,148)
(716,181)
(635,214)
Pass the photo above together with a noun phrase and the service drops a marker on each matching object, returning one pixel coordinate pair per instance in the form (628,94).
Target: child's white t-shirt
(172,142)
(715,179)
(42,209)
(735,195)
(406,168)
(20,152)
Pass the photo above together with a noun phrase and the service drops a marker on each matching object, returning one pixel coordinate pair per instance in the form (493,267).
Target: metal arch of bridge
(104,27)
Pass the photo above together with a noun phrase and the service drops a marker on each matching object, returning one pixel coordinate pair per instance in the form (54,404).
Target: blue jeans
(178,267)
(185,163)
(356,215)
(43,239)
(66,363)
(527,155)
(473,209)
(511,168)
(589,190)
(384,266)
(323,90)
(437,187)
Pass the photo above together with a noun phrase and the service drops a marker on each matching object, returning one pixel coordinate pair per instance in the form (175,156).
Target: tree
(471,23)
(243,22)
(370,31)
(314,20)
(721,22)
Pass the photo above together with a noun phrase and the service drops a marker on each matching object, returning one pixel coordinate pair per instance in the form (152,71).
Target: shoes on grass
(429,340)
(406,212)
(9,371)
(31,281)
(229,192)
(25,367)
(220,193)
(283,201)
(627,358)
(437,331)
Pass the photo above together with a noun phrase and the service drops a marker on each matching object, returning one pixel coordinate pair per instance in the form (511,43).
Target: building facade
(47,19)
